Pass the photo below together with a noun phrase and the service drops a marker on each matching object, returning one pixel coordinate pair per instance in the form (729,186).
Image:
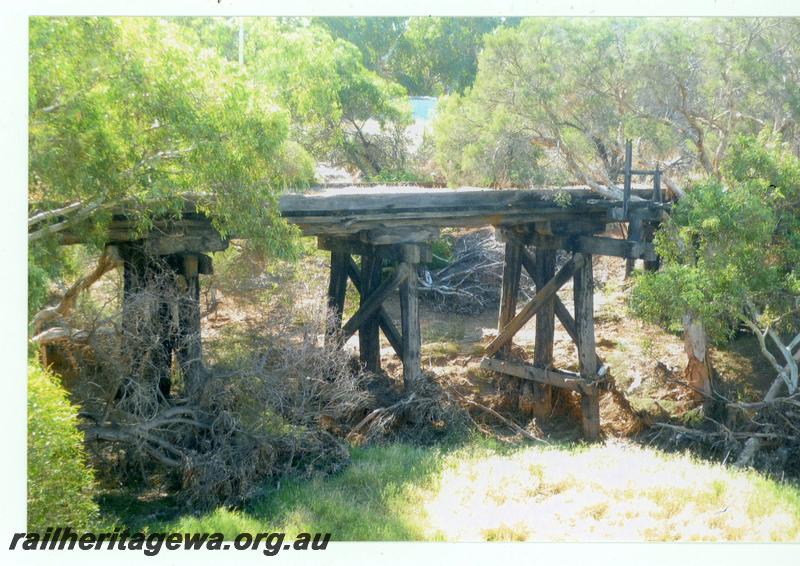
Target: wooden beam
(189,350)
(529,310)
(545,269)
(510,287)
(384,320)
(635,236)
(649,230)
(412,341)
(587,354)
(337,289)
(375,300)
(562,313)
(369,344)
(598,245)
(556,378)
(353,245)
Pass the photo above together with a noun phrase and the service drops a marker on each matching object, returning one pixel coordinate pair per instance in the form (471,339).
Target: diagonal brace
(375,300)
(385,321)
(529,310)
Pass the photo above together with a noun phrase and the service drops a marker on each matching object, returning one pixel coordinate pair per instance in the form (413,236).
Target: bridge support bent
(403,260)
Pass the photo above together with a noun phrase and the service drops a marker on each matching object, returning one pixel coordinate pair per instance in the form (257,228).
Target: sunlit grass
(482,491)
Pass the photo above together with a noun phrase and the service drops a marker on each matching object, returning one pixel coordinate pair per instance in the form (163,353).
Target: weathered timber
(615,247)
(634,235)
(343,211)
(409,316)
(384,320)
(369,345)
(655,212)
(467,200)
(399,235)
(648,232)
(561,311)
(374,300)
(557,235)
(530,309)
(353,245)
(587,354)
(189,349)
(512,269)
(549,377)
(545,269)
(337,289)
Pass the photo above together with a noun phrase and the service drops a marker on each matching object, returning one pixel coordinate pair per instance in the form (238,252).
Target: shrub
(60,484)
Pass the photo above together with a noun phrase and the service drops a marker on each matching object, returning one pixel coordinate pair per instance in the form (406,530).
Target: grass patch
(481,491)
(438,351)
(452,331)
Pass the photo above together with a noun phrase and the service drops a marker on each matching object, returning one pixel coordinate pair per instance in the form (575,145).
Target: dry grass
(483,492)
(612,492)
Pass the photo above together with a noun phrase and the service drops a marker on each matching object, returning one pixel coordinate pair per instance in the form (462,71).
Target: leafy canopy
(731,248)
(682,90)
(133,110)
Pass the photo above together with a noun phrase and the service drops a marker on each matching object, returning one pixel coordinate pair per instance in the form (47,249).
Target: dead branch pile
(273,401)
(420,416)
(471,281)
(764,435)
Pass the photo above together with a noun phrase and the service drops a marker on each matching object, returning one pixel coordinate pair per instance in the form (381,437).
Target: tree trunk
(698,371)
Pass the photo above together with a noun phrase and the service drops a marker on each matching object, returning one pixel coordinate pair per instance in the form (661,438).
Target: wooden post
(527,312)
(587,355)
(386,323)
(634,235)
(544,270)
(369,331)
(512,269)
(648,232)
(189,345)
(337,289)
(412,341)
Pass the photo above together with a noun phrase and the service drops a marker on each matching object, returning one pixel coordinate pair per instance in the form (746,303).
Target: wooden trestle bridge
(397,225)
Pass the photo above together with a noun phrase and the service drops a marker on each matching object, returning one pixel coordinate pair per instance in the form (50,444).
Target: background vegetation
(133,114)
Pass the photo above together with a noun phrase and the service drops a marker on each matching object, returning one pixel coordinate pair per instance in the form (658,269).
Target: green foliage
(427,55)
(60,484)
(440,55)
(577,89)
(731,248)
(478,144)
(135,110)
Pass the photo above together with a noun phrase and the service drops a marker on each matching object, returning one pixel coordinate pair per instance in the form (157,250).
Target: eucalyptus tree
(577,89)
(130,111)
(329,93)
(731,253)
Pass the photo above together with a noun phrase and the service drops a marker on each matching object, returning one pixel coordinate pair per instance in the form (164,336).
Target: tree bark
(699,371)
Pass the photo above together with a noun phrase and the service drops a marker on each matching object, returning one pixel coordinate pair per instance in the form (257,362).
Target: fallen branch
(509,423)
(105,263)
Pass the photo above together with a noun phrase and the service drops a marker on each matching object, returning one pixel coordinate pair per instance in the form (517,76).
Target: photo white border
(13,284)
